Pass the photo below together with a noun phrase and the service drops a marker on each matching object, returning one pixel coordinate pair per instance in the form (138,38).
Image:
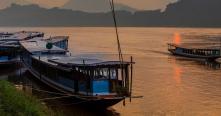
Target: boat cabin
(97,77)
(59,41)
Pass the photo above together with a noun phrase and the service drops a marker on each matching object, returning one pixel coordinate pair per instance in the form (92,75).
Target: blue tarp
(100,87)
(4,58)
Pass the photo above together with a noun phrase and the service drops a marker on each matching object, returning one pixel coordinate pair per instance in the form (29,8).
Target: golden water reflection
(177,73)
(170,87)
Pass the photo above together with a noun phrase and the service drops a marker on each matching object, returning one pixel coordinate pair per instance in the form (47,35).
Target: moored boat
(94,82)
(10,47)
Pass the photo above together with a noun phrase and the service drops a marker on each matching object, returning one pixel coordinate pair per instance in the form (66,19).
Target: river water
(170,86)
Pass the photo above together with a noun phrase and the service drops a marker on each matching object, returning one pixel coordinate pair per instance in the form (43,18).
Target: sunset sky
(138,4)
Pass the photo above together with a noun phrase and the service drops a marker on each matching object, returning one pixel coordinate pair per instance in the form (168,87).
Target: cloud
(147,4)
(6,3)
(43,3)
(48,3)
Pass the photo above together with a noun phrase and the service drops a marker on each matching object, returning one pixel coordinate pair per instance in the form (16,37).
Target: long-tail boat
(93,82)
(201,53)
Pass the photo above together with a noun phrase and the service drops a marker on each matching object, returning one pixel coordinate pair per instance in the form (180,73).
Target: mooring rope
(76,103)
(64,96)
(54,93)
(44,91)
(53,98)
(49,92)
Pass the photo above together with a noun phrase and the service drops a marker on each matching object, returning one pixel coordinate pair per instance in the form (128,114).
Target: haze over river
(171,86)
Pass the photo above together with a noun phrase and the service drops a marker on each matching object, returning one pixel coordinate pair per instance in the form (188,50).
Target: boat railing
(202,52)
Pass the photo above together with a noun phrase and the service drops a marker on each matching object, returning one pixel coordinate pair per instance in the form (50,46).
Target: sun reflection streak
(177,73)
(177,38)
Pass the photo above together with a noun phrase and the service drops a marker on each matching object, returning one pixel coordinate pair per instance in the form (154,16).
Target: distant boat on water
(190,52)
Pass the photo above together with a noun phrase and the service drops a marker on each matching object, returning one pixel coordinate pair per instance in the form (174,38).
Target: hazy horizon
(184,13)
(138,4)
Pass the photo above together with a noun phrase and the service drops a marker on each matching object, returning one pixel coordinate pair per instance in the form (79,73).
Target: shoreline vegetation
(16,103)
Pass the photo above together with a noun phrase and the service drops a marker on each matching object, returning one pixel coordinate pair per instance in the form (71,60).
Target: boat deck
(39,47)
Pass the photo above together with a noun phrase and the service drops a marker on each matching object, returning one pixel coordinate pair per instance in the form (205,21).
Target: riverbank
(17,103)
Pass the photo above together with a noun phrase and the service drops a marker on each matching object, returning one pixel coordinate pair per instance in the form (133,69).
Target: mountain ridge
(94,6)
(184,13)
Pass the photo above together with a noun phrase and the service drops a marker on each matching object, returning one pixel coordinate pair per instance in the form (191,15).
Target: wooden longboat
(94,83)
(208,54)
(10,47)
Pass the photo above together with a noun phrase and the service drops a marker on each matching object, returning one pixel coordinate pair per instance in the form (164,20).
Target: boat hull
(101,104)
(88,102)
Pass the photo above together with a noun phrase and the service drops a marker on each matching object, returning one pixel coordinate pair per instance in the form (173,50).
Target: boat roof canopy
(74,61)
(18,36)
(39,46)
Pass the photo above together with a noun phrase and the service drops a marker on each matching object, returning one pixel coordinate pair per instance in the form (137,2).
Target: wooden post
(127,77)
(20,66)
(220,47)
(117,74)
(84,66)
(85,74)
(131,76)
(122,74)
(109,74)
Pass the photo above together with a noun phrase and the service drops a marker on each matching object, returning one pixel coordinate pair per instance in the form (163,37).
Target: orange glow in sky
(177,38)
